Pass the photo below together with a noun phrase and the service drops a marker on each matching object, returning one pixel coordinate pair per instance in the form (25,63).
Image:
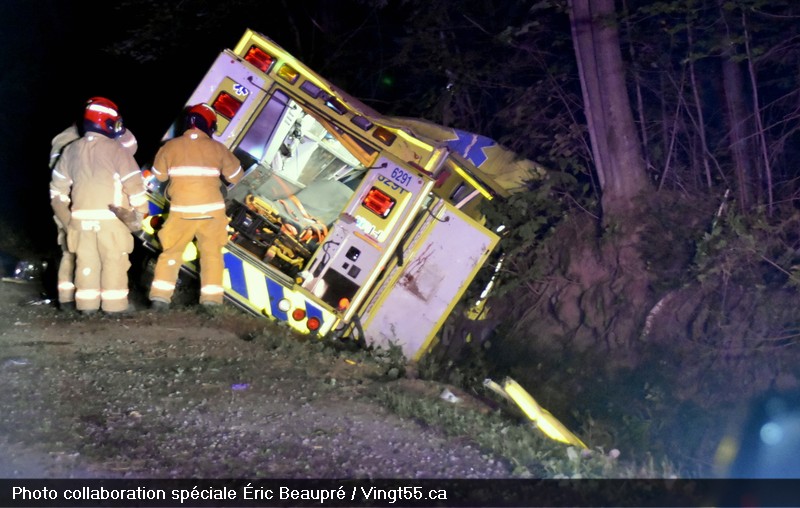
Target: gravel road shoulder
(186,394)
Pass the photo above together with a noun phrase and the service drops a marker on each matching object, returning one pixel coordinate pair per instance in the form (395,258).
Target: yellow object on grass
(544,421)
(496,388)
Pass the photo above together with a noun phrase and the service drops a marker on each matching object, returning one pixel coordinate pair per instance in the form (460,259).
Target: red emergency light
(260,58)
(226,105)
(378,202)
(313,324)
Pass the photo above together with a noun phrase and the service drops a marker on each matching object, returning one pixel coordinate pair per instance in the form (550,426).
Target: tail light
(336,105)
(156,221)
(362,122)
(298,314)
(311,89)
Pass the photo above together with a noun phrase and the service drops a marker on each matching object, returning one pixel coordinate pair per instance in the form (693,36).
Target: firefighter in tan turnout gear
(66,267)
(193,164)
(93,173)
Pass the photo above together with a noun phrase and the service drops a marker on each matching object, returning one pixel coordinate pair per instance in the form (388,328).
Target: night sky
(53,60)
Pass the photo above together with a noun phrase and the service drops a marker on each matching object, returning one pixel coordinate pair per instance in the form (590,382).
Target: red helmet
(101,115)
(202,116)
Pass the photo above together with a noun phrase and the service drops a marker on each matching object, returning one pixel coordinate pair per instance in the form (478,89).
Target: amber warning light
(378,202)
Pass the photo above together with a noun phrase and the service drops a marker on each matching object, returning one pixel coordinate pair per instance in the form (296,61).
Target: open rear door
(415,298)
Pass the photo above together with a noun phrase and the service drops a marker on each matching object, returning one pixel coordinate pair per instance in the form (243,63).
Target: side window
(253,146)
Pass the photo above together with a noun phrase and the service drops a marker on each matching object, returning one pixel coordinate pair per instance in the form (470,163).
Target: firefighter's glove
(130,218)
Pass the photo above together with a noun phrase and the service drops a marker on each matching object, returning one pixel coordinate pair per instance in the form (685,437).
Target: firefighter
(92,173)
(66,267)
(193,163)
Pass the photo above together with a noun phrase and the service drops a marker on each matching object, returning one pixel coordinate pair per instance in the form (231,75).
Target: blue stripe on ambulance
(471,146)
(236,273)
(312,311)
(275,292)
(263,293)
(153,209)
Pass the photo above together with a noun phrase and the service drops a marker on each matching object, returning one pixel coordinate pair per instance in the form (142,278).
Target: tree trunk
(615,146)
(737,114)
(640,114)
(599,290)
(760,131)
(698,107)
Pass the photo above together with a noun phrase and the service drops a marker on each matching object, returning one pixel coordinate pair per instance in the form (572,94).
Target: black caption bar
(396,493)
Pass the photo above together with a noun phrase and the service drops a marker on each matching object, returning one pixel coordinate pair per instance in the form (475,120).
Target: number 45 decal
(240,90)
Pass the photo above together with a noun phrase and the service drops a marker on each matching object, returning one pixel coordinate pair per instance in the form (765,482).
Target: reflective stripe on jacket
(70,134)
(193,163)
(61,140)
(96,171)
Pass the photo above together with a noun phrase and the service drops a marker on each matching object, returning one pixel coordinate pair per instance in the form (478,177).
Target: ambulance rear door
(415,298)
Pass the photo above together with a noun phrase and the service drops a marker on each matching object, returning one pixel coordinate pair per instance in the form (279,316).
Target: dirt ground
(191,394)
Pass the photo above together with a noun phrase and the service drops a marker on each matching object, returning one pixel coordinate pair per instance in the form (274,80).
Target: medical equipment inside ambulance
(298,178)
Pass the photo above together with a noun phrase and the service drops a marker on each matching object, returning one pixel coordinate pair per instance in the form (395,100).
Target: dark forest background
(648,285)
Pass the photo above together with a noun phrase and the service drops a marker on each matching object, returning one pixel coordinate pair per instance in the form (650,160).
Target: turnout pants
(101,250)
(211,231)
(66,267)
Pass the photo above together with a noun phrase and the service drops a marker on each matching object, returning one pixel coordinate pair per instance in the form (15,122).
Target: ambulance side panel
(442,258)
(249,285)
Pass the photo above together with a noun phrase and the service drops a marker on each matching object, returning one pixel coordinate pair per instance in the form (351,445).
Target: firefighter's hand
(62,212)
(129,217)
(61,221)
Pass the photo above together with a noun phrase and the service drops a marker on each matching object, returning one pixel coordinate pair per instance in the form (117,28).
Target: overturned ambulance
(347,223)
